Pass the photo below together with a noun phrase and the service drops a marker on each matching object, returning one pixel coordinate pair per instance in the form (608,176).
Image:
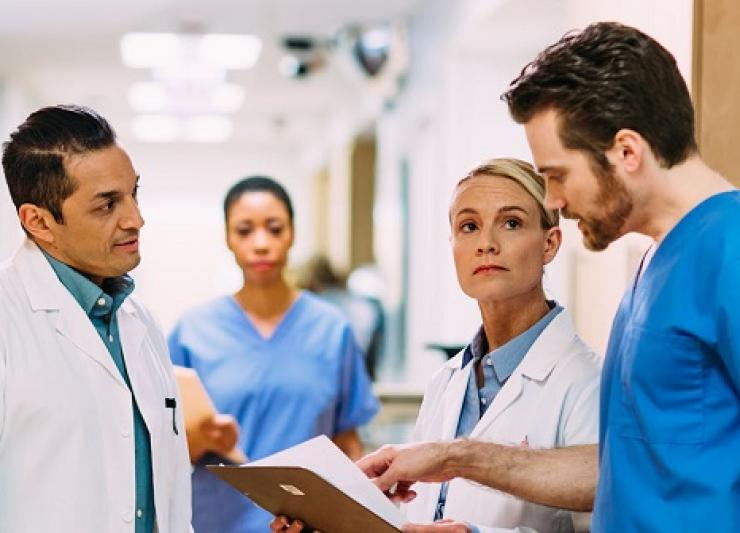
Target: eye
(108,206)
(512,223)
(468,227)
(136,192)
(276,230)
(243,232)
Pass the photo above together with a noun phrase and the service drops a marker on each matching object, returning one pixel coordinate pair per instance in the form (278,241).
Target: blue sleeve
(357,404)
(178,352)
(728,321)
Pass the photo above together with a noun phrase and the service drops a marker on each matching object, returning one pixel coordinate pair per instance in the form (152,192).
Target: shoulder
(716,223)
(212,310)
(321,312)
(578,362)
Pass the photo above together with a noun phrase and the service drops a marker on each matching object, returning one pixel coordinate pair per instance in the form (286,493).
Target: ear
(38,222)
(553,238)
(628,150)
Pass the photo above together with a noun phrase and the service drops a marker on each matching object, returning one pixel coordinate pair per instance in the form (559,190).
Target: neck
(266,301)
(674,193)
(505,319)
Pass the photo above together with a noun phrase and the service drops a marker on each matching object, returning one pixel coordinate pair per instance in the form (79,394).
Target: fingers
(402,493)
(374,464)
(443,526)
(282,524)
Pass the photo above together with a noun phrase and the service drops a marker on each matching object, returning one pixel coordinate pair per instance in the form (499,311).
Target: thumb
(386,480)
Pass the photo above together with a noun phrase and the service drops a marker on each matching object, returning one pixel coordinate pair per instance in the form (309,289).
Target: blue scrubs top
(670,393)
(308,379)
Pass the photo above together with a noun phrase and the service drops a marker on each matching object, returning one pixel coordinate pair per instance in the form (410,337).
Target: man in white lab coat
(91,434)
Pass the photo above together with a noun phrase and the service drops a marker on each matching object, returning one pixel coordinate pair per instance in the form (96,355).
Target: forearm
(349,442)
(562,477)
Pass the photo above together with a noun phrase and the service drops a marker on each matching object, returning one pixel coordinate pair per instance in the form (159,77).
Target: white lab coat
(66,415)
(550,400)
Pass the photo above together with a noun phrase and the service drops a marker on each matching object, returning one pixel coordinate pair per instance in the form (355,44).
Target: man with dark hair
(611,128)
(91,436)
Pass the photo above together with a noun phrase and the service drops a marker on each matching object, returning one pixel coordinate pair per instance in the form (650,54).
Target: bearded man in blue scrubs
(610,123)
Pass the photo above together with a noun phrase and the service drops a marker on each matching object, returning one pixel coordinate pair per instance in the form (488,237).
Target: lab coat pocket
(662,379)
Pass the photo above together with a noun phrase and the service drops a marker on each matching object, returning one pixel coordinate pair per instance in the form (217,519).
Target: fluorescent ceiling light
(155,128)
(208,129)
(209,51)
(227,98)
(151,50)
(147,97)
(185,98)
(230,52)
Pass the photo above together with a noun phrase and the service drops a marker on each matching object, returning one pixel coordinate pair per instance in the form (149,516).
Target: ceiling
(63,52)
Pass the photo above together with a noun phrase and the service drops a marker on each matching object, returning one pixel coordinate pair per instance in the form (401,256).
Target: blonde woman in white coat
(526,379)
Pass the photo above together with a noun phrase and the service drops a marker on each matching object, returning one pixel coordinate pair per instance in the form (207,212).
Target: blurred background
(368,112)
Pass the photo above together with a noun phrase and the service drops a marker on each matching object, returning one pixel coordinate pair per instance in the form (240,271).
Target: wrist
(453,459)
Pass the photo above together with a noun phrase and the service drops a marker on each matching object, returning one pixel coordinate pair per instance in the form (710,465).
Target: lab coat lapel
(46,293)
(536,365)
(140,369)
(453,397)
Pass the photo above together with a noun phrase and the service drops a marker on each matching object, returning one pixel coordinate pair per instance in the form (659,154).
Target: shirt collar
(506,358)
(94,300)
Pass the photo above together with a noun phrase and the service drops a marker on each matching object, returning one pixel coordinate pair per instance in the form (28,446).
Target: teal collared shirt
(101,305)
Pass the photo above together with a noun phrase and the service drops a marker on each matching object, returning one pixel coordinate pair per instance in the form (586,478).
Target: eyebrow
(504,209)
(110,195)
(549,168)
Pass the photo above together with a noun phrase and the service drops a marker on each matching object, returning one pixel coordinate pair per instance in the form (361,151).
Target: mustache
(129,237)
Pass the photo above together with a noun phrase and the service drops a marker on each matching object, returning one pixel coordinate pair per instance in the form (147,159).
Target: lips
(261,266)
(129,245)
(489,268)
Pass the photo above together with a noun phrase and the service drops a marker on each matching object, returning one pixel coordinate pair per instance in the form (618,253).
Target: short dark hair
(33,158)
(258,184)
(605,78)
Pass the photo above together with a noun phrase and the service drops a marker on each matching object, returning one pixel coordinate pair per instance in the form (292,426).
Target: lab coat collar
(46,293)
(547,350)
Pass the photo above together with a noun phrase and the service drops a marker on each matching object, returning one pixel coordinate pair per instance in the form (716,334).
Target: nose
(553,196)
(488,244)
(131,218)
(261,241)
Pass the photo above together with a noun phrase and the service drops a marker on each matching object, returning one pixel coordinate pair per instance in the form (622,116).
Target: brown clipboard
(300,493)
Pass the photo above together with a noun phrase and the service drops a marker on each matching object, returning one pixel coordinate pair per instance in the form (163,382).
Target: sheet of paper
(323,457)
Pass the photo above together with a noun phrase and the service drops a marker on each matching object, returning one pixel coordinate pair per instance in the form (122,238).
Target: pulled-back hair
(258,184)
(603,79)
(34,157)
(524,174)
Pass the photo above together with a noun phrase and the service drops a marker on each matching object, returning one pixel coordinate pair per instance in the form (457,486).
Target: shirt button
(128,516)
(101,301)
(139,514)
(125,432)
(483,401)
(489,361)
(110,338)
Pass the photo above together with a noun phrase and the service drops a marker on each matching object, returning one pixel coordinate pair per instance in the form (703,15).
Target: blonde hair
(525,175)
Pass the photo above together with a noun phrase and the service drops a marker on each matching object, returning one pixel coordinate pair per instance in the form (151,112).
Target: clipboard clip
(171,403)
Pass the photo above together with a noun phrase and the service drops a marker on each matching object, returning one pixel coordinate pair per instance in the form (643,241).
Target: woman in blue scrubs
(282,362)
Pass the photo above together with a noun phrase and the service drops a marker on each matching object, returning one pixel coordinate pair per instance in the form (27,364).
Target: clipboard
(300,493)
(315,482)
(197,406)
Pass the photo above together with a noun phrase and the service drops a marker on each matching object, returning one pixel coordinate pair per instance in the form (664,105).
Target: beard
(614,205)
